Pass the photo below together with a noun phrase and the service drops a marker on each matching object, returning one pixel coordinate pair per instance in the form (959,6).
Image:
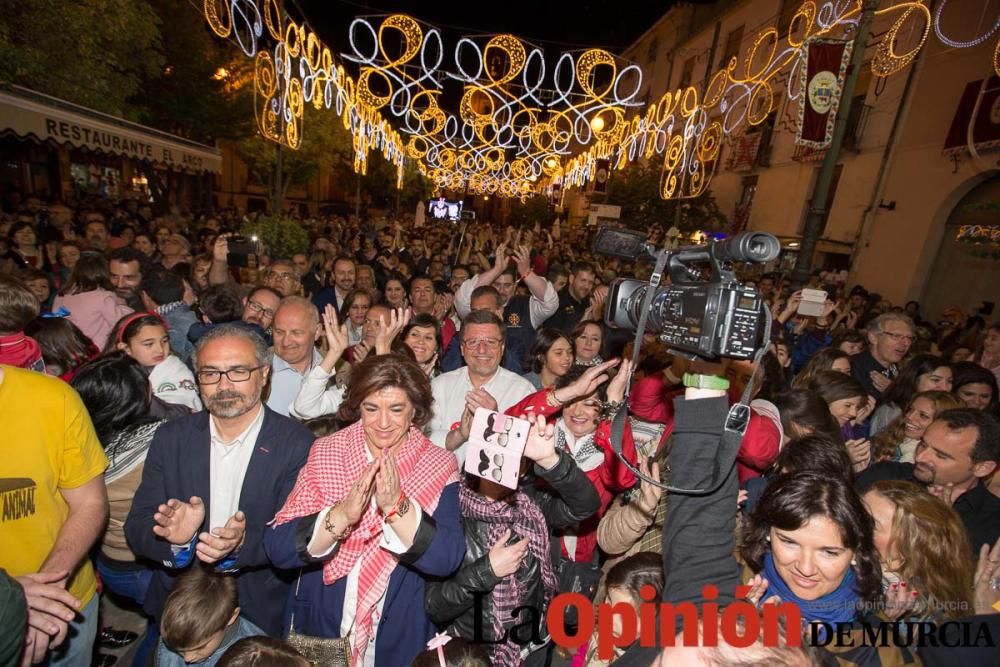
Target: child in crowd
(201,620)
(445,651)
(262,652)
(143,336)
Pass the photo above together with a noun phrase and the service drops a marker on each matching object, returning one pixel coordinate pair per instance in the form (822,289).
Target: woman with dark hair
(23,251)
(116,392)
(829,359)
(582,406)
(845,397)
(64,347)
(422,336)
(849,404)
(588,343)
(850,341)
(352,313)
(144,242)
(810,541)
(91,300)
(805,413)
(374,515)
(976,386)
(922,372)
(395,291)
(508,550)
(551,358)
(818,453)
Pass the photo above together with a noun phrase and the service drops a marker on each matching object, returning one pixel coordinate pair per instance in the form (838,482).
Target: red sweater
(609,478)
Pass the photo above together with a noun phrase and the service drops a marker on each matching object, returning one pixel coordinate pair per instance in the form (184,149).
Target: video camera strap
(736,421)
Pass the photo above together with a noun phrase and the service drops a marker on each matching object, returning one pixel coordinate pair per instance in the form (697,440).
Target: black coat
(452,603)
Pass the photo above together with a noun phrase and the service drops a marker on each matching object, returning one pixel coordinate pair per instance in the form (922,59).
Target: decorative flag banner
(822,82)
(601,175)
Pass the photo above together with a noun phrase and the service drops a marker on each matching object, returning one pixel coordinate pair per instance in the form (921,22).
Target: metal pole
(816,218)
(279,178)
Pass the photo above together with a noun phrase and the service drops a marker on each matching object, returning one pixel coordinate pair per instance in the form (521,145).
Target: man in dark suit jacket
(212,481)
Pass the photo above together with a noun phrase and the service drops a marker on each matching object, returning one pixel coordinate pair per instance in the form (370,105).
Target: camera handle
(736,421)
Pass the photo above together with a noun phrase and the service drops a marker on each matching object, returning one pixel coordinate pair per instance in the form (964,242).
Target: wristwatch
(697,381)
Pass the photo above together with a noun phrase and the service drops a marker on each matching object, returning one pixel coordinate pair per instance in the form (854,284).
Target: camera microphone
(748,247)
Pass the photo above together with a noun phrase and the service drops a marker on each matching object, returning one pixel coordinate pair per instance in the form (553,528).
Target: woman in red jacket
(583,405)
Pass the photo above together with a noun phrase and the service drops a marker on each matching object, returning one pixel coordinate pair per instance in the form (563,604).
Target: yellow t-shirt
(47,443)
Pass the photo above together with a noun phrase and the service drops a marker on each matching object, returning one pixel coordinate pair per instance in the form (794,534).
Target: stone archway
(957,278)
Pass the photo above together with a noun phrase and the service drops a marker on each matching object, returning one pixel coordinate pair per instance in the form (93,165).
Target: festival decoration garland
(521,126)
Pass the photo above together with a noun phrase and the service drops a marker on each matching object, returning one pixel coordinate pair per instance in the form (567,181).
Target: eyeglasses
(233,375)
(488,343)
(283,277)
(899,338)
(259,309)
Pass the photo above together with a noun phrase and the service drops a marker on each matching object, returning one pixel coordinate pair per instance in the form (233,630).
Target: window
(654,46)
(788,10)
(687,73)
(732,49)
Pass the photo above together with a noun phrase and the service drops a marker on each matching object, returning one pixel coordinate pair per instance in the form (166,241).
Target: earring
(768,538)
(854,562)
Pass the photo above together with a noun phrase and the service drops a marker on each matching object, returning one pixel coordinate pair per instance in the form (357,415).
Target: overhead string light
(524,124)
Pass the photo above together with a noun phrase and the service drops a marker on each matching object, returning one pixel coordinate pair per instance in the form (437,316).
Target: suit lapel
(201,462)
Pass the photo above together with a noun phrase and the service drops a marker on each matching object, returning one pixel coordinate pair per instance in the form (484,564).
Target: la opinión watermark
(739,624)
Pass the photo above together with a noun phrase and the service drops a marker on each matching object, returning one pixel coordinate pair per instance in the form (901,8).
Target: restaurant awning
(28,114)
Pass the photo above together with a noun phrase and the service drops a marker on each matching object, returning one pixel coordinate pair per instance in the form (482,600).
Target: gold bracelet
(330,527)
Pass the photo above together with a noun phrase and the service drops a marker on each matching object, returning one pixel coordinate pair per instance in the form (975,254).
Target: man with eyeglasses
(283,277)
(213,480)
(260,305)
(481,383)
(889,338)
(522,314)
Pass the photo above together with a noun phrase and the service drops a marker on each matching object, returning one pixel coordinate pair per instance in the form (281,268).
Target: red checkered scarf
(335,463)
(519,513)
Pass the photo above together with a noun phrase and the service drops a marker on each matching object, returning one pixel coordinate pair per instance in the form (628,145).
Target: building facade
(906,181)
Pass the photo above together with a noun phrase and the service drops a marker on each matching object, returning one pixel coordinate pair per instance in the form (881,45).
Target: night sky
(562,25)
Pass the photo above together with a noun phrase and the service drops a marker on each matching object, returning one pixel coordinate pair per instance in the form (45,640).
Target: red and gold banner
(821,84)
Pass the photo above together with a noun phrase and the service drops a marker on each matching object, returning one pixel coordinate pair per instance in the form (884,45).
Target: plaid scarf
(519,513)
(335,463)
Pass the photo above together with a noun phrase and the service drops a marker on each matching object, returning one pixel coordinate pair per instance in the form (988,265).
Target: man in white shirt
(296,328)
(480,383)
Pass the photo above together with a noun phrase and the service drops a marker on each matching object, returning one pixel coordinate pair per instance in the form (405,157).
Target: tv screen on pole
(443,209)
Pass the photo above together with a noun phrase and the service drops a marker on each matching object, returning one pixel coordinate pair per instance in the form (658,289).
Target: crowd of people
(267,459)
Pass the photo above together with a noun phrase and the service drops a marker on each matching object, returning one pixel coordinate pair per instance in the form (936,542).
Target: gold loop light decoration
(523,124)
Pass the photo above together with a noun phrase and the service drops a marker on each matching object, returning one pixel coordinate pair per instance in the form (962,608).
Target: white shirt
(449,392)
(286,382)
(390,542)
(229,463)
(540,309)
(314,398)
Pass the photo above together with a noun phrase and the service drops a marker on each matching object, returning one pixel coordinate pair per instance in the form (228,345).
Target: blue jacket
(178,466)
(404,628)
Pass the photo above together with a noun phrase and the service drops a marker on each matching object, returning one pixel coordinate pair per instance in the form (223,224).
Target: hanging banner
(821,84)
(602,171)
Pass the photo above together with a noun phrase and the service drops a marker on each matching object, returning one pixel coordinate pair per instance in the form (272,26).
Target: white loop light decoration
(956,44)
(517,129)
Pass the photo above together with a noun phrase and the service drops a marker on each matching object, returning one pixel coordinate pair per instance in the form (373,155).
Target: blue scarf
(839,606)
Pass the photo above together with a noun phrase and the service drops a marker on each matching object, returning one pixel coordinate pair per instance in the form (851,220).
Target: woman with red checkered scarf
(373,514)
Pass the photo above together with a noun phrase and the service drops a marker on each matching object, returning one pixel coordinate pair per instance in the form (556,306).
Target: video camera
(709,315)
